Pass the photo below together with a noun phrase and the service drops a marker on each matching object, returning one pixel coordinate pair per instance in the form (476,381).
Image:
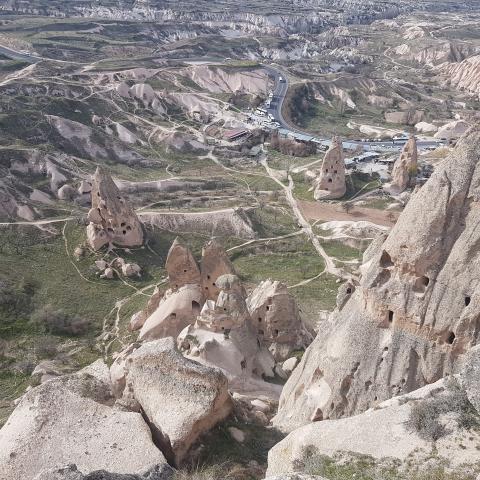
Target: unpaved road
(330,212)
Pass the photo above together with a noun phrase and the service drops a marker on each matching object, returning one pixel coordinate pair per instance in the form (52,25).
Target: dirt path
(327,212)
(330,266)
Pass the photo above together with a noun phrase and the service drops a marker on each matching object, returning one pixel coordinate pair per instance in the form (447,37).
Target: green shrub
(58,322)
(425,414)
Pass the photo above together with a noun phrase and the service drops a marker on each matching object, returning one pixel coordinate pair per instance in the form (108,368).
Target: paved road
(279,93)
(14,55)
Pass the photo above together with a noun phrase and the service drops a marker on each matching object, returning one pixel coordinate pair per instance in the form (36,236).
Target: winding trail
(330,266)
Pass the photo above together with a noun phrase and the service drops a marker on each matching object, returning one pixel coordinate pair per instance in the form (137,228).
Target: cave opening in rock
(451,338)
(467,301)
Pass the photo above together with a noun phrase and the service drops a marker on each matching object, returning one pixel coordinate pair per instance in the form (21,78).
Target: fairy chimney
(112,220)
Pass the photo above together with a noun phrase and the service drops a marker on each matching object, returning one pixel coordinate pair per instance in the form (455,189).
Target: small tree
(347,207)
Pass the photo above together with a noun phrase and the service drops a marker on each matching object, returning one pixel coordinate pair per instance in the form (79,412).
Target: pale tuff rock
(66,192)
(470,377)
(176,310)
(131,270)
(181,398)
(181,267)
(407,117)
(407,324)
(404,172)
(275,313)
(71,419)
(125,269)
(138,319)
(344,293)
(381,432)
(452,130)
(189,288)
(112,220)
(330,183)
(464,75)
(85,187)
(223,336)
(424,127)
(71,472)
(215,262)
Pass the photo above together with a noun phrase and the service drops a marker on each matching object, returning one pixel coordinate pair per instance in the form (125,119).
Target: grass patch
(348,466)
(341,251)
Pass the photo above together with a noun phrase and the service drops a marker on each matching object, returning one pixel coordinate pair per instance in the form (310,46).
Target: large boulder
(384,432)
(180,398)
(405,117)
(279,325)
(177,309)
(71,419)
(330,183)
(452,130)
(407,324)
(112,220)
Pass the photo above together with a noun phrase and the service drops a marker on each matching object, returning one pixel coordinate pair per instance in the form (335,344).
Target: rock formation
(189,288)
(275,313)
(71,472)
(176,310)
(404,172)
(112,220)
(470,377)
(181,267)
(180,398)
(71,419)
(407,324)
(330,183)
(224,336)
(381,432)
(406,117)
(464,76)
(452,130)
(215,262)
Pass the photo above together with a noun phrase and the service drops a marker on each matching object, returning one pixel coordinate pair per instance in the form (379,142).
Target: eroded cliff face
(415,312)
(306,16)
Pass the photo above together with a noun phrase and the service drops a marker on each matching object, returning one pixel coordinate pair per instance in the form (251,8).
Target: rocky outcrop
(404,172)
(279,325)
(452,130)
(71,419)
(224,336)
(226,222)
(71,472)
(382,432)
(181,267)
(407,324)
(176,310)
(112,220)
(465,75)
(215,262)
(181,399)
(330,183)
(425,127)
(470,377)
(407,117)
